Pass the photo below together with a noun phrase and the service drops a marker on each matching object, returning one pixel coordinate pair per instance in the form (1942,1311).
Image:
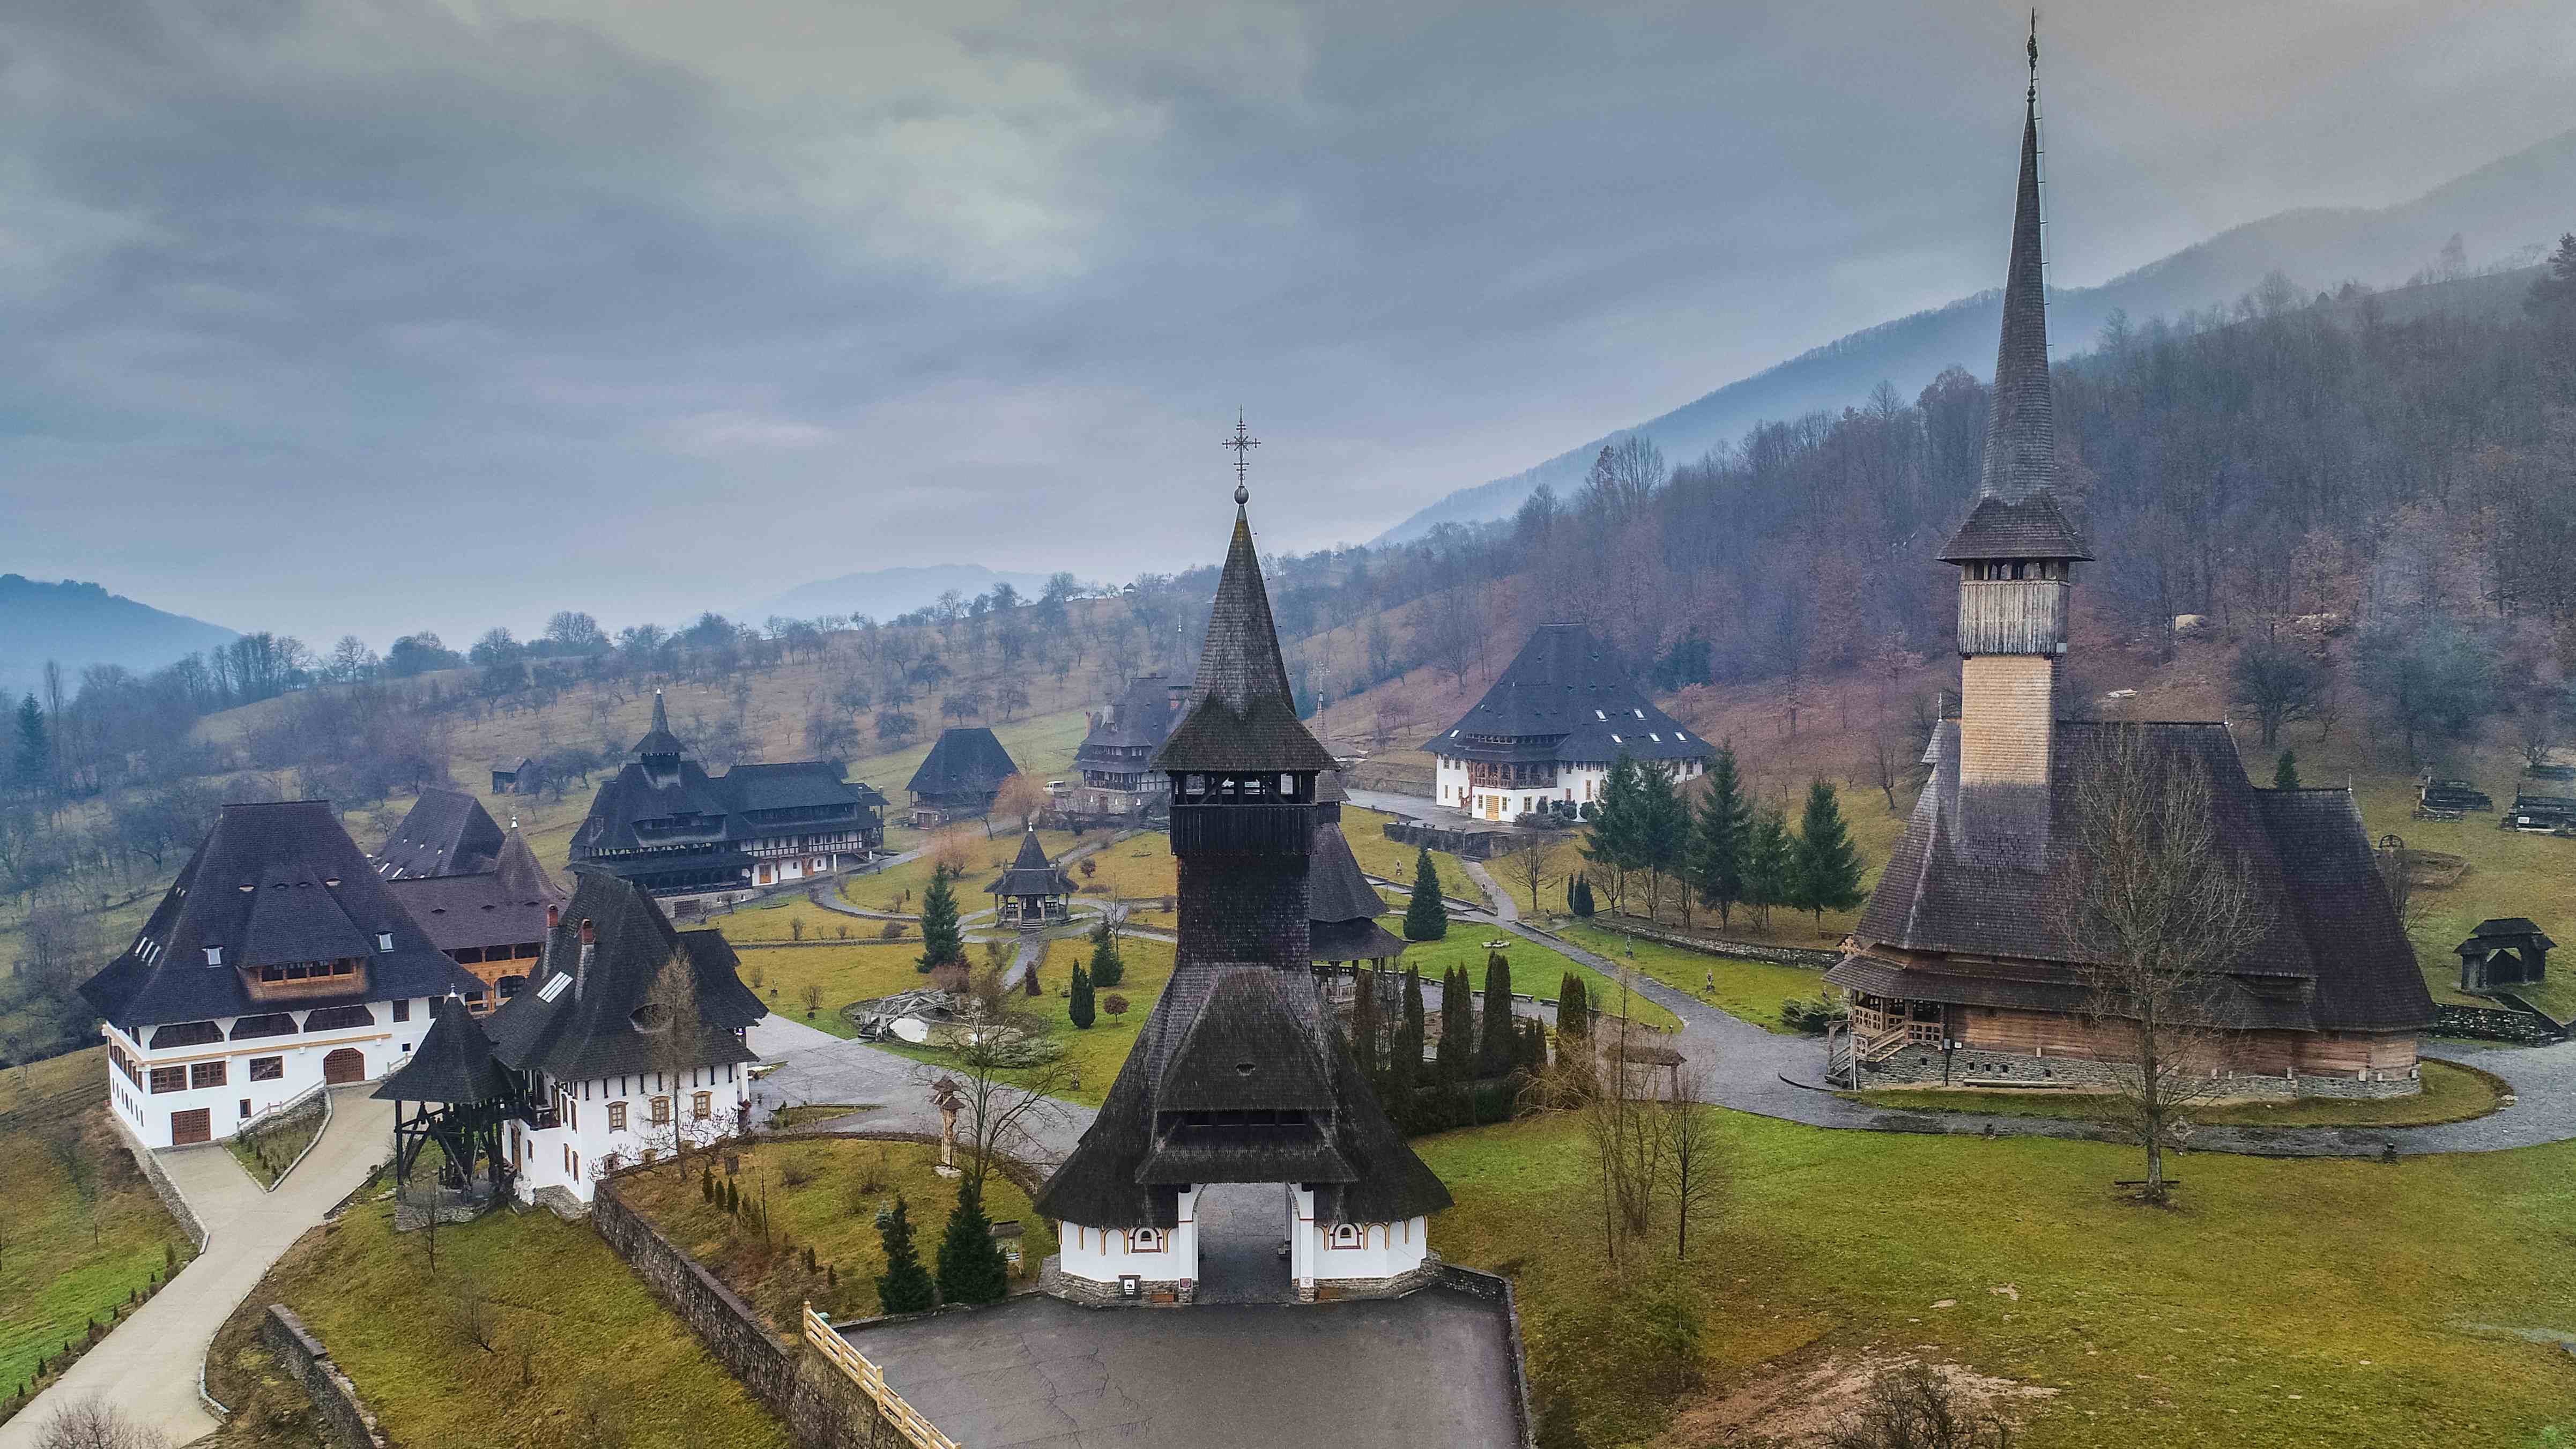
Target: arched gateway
(1238,1075)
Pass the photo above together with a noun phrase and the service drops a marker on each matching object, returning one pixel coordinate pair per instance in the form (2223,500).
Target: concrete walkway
(148,1367)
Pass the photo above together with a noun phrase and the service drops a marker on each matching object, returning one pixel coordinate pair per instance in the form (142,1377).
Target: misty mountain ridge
(76,625)
(2500,211)
(884,593)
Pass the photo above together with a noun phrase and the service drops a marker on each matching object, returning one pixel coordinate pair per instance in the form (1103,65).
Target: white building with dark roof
(1549,729)
(276,963)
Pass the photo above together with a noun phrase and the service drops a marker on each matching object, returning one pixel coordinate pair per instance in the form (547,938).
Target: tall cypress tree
(35,762)
(1582,902)
(1364,1027)
(1077,1004)
(2285,775)
(1107,966)
(1426,916)
(1573,1008)
(1496,1050)
(1454,1057)
(1826,875)
(1718,837)
(941,944)
(1767,863)
(904,1286)
(971,1266)
(1404,1068)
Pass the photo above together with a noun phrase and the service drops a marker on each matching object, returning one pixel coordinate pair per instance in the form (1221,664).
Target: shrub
(890,931)
(1114,1004)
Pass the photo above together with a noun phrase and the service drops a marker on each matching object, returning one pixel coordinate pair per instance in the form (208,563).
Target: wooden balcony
(319,983)
(2012,616)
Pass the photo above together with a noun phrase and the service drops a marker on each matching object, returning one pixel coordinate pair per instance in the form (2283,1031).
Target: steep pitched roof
(453,1062)
(1241,716)
(1140,719)
(270,884)
(505,905)
(965,760)
(2332,955)
(2021,421)
(1031,873)
(792,785)
(591,1027)
(446,832)
(1564,697)
(659,740)
(1341,906)
(637,808)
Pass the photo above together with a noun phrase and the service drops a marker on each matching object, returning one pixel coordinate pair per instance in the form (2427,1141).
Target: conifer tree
(1404,1062)
(1573,1008)
(1533,1045)
(1582,902)
(1612,842)
(941,944)
(1767,863)
(1455,1055)
(1426,916)
(1107,966)
(971,1266)
(2285,775)
(1497,1052)
(904,1286)
(1078,1004)
(1825,875)
(1364,1029)
(35,761)
(1663,832)
(1718,838)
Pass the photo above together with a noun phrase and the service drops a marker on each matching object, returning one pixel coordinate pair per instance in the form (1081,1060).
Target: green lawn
(2452,1093)
(2283,1302)
(65,1257)
(900,888)
(1749,990)
(843,974)
(1379,856)
(269,1152)
(1536,970)
(825,1194)
(595,1340)
(2509,874)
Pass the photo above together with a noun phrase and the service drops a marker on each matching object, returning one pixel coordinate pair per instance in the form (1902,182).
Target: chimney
(1180,694)
(589,949)
(554,916)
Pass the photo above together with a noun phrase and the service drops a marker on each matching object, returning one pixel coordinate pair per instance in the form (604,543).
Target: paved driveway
(148,1367)
(1433,1368)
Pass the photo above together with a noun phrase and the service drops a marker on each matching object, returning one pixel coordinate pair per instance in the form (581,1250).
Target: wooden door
(192,1127)
(348,1064)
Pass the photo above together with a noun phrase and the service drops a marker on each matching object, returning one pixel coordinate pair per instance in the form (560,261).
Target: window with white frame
(1346,1235)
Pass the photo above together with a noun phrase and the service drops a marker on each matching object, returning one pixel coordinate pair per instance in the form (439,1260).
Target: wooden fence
(915,1429)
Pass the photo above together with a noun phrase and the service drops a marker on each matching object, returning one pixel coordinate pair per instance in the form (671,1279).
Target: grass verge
(1747,990)
(2452,1093)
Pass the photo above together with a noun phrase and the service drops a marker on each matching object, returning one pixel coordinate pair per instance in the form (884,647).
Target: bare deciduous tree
(2161,909)
(1913,1407)
(1022,797)
(1535,864)
(1691,1151)
(1002,1096)
(91,1424)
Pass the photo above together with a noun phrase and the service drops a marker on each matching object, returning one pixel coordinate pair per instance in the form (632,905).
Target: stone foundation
(1980,1068)
(346,1421)
(1334,1290)
(1091,1293)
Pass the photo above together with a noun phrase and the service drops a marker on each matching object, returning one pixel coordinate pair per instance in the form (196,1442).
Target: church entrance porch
(1241,1225)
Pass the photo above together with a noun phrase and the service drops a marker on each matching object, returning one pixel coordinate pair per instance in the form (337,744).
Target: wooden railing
(915,1429)
(1878,1045)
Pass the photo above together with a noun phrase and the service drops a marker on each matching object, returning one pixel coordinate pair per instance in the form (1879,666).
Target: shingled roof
(271,884)
(2333,956)
(659,740)
(1341,906)
(1241,716)
(965,760)
(2021,422)
(453,1063)
(446,832)
(1564,697)
(503,905)
(590,1027)
(1031,873)
(1140,719)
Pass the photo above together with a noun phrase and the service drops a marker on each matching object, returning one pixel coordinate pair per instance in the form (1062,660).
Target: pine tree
(1612,842)
(1364,1028)
(1107,967)
(1825,875)
(1426,916)
(1662,835)
(1718,838)
(971,1266)
(1078,1006)
(2285,775)
(35,745)
(941,945)
(1497,1052)
(1767,863)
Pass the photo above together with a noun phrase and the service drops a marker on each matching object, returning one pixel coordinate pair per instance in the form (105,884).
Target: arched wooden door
(348,1064)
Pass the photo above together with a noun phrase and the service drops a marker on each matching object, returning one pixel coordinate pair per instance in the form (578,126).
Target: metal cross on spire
(2034,53)
(1242,443)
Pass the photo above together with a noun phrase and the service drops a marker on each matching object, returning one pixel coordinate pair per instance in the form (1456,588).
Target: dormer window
(384,940)
(214,955)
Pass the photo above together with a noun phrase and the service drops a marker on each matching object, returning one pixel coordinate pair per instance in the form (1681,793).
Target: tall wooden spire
(2021,429)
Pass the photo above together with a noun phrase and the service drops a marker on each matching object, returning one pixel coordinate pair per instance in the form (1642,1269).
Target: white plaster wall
(147,1113)
(1449,781)
(587,1132)
(1383,1250)
(1104,1255)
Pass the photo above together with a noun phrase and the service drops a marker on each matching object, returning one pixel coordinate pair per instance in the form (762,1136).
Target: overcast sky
(380,314)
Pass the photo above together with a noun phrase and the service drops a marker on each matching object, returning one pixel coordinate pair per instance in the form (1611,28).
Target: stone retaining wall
(1495,1288)
(168,1192)
(2490,1024)
(820,1409)
(1973,1066)
(1708,946)
(346,1421)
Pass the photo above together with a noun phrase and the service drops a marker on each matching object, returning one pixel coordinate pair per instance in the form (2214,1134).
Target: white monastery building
(1547,731)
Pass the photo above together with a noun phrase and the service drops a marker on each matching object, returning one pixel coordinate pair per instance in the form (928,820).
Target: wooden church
(1239,1076)
(1959,972)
